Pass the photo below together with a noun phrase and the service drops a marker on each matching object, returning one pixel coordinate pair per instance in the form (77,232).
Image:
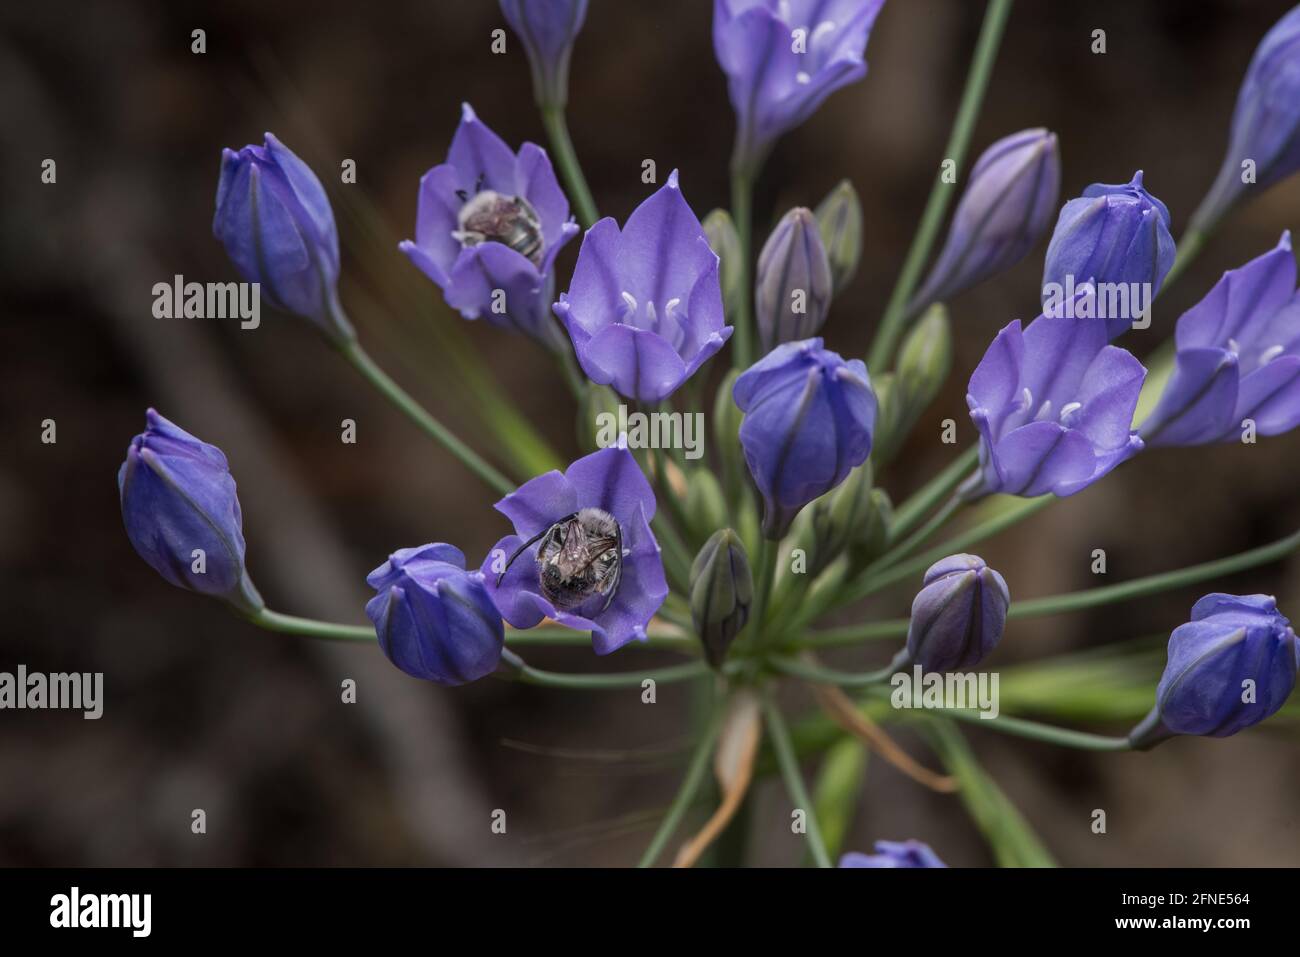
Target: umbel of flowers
(727,565)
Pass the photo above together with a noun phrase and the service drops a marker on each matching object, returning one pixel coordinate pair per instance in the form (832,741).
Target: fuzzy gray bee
(492,217)
(581,555)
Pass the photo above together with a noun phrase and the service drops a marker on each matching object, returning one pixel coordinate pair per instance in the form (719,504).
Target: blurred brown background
(205,711)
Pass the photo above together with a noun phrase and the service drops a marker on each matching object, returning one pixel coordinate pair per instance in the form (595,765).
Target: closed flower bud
(435,620)
(894,854)
(182,514)
(871,536)
(275,221)
(792,287)
(890,431)
(1013,190)
(924,362)
(1264,142)
(1112,234)
(726,422)
(957,616)
(725,241)
(547,29)
(808,423)
(722,589)
(839,220)
(1230,667)
(706,506)
(837,518)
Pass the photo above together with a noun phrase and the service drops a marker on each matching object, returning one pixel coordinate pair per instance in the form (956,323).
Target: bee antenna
(462,196)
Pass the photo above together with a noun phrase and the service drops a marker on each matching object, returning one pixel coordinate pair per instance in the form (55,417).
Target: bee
(492,217)
(580,556)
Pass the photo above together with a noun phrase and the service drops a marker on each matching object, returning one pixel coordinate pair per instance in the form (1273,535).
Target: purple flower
(1006,209)
(783,58)
(1112,235)
(644,308)
(1238,358)
(547,29)
(583,553)
(488,228)
(957,616)
(792,289)
(894,854)
(182,514)
(1230,667)
(809,417)
(435,620)
(1264,143)
(1053,406)
(275,221)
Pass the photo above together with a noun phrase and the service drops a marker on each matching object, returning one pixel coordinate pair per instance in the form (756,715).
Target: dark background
(203,710)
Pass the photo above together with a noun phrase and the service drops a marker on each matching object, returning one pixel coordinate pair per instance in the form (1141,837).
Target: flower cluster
(734,566)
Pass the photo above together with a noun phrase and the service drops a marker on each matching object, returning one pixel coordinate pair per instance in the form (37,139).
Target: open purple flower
(582,553)
(783,58)
(644,308)
(489,225)
(894,854)
(1053,405)
(1238,358)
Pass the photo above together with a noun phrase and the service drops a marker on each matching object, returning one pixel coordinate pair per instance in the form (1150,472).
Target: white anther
(1026,400)
(1271,353)
(1068,410)
(629,306)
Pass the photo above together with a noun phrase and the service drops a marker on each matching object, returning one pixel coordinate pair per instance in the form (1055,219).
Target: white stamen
(670,309)
(1044,411)
(802,77)
(1026,400)
(1068,410)
(1271,353)
(819,31)
(1233,346)
(652,319)
(629,305)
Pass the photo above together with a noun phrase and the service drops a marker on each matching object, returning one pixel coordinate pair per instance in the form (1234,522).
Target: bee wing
(617,575)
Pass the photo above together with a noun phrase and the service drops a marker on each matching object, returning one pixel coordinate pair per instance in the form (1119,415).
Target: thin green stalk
(977,80)
(1021,728)
(696,772)
(620,679)
(742,214)
(311,628)
(829,676)
(766,569)
(916,506)
(789,764)
(566,158)
(919,537)
(370,370)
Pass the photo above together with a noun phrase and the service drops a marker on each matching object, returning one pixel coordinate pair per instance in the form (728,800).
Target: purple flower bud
(644,307)
(489,225)
(1230,667)
(582,553)
(435,620)
(957,616)
(1264,142)
(1053,405)
(547,29)
(1112,235)
(1238,358)
(783,59)
(894,854)
(275,221)
(792,289)
(809,417)
(1005,210)
(182,514)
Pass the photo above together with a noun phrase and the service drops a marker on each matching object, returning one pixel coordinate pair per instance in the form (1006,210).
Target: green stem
(620,679)
(1190,244)
(566,158)
(829,676)
(377,377)
(789,764)
(1022,728)
(919,537)
(742,214)
(910,513)
(768,552)
(311,628)
(977,80)
(695,775)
